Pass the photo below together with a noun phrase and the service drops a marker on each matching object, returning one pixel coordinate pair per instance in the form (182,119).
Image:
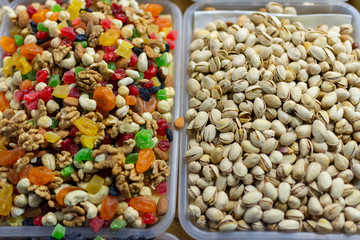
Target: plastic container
(164,223)
(308,7)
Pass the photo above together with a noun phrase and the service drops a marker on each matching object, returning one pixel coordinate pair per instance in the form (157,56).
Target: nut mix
(273,126)
(85,105)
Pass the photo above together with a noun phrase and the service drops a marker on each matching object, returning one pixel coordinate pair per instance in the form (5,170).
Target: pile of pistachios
(274,126)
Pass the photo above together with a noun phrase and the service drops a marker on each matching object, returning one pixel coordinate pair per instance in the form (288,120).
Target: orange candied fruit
(60,196)
(41,175)
(4,103)
(12,176)
(116,29)
(109,206)
(105,98)
(24,173)
(150,106)
(155,9)
(25,84)
(130,100)
(76,21)
(145,160)
(162,23)
(40,16)
(30,50)
(143,204)
(54,17)
(10,157)
(8,44)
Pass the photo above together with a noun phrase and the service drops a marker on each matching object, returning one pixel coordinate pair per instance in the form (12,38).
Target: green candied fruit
(67,171)
(161,94)
(56,8)
(144,140)
(111,65)
(83,154)
(83,43)
(59,231)
(106,1)
(141,76)
(42,28)
(98,238)
(161,61)
(19,40)
(118,224)
(136,33)
(54,123)
(54,80)
(79,69)
(131,158)
(31,75)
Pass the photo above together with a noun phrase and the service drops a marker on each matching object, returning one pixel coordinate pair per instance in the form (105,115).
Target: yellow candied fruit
(52,137)
(74,9)
(166,30)
(153,29)
(86,126)
(6,199)
(156,81)
(16,222)
(95,184)
(62,24)
(124,49)
(109,37)
(61,91)
(87,141)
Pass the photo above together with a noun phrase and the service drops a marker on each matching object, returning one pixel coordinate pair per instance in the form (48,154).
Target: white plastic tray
(164,223)
(302,7)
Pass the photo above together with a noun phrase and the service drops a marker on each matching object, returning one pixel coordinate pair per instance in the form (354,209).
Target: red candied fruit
(37,221)
(148,218)
(73,131)
(116,9)
(6,55)
(133,60)
(161,188)
(42,35)
(74,92)
(106,23)
(110,57)
(133,90)
(118,74)
(59,2)
(31,10)
(28,89)
(164,145)
(19,95)
(69,77)
(31,96)
(41,75)
(69,145)
(107,140)
(32,105)
(96,223)
(122,17)
(148,84)
(171,43)
(172,35)
(45,94)
(124,137)
(109,48)
(66,42)
(69,33)
(162,125)
(89,3)
(150,72)
(153,36)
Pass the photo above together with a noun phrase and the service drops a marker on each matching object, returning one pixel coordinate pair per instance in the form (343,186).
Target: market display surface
(85,108)
(273,126)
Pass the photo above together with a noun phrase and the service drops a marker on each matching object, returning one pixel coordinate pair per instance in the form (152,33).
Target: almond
(23,19)
(150,52)
(162,206)
(160,154)
(169,81)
